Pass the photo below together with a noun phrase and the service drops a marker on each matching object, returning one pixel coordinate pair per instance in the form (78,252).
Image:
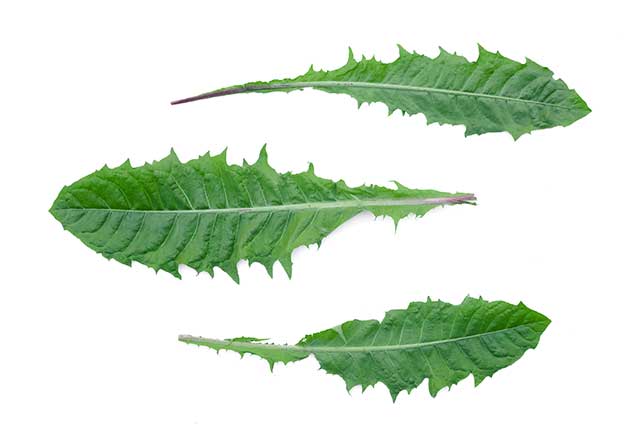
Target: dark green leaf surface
(493,94)
(206,213)
(435,340)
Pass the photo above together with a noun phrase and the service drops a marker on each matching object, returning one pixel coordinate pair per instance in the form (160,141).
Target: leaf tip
(287,264)
(479,378)
(268,266)
(442,53)
(350,58)
(529,61)
(399,186)
(484,54)
(223,154)
(173,156)
(263,156)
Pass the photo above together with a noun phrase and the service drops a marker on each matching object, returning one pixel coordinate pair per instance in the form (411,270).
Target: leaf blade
(493,94)
(206,213)
(409,346)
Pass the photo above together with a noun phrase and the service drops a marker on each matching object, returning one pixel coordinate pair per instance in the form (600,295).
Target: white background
(84,339)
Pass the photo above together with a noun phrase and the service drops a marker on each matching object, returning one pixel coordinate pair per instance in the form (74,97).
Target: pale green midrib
(384,86)
(341,204)
(223,344)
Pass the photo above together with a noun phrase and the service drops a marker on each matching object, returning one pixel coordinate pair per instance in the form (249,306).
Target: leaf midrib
(341,204)
(399,87)
(222,344)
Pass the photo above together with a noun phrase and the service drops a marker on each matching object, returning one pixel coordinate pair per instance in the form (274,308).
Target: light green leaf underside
(206,213)
(429,340)
(493,94)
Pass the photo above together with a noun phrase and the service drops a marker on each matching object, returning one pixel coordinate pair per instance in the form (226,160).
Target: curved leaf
(205,213)
(433,339)
(493,94)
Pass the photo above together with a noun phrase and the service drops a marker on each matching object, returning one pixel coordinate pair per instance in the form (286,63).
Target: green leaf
(206,213)
(433,339)
(493,94)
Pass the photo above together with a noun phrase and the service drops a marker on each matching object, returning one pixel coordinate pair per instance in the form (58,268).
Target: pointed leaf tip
(263,157)
(350,57)
(399,186)
(287,265)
